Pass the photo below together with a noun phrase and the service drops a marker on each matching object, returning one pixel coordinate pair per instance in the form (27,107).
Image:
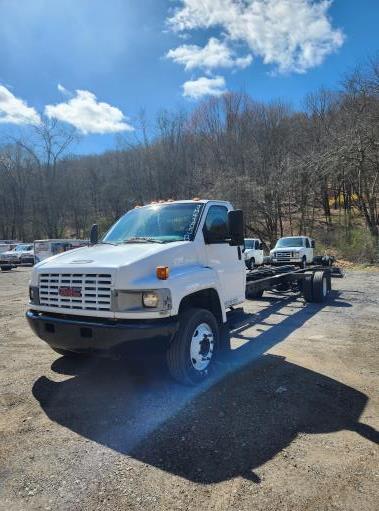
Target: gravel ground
(291,422)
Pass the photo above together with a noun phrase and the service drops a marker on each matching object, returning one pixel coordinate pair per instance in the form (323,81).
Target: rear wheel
(192,353)
(307,287)
(254,295)
(321,287)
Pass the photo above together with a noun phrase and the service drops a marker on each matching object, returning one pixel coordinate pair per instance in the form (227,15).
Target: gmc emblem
(73,292)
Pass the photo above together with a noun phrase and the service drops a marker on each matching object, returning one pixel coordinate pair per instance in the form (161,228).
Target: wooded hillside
(314,171)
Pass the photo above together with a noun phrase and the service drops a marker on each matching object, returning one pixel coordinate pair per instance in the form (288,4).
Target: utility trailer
(314,281)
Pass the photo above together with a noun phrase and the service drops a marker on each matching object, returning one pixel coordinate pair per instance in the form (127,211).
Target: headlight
(138,301)
(34,295)
(150,299)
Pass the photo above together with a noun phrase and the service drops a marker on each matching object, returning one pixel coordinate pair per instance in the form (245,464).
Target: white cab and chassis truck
(166,272)
(253,253)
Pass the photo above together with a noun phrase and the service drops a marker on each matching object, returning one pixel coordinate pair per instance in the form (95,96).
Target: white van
(48,248)
(294,250)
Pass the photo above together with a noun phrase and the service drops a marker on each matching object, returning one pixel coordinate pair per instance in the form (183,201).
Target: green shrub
(356,245)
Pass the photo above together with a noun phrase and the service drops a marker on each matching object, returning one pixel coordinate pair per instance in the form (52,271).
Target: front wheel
(250,263)
(192,353)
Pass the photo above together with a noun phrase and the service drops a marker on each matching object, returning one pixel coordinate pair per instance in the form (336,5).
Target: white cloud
(88,114)
(293,35)
(204,86)
(63,90)
(215,54)
(14,110)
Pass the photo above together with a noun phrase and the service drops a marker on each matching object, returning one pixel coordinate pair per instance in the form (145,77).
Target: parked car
(6,245)
(253,252)
(21,253)
(27,255)
(293,250)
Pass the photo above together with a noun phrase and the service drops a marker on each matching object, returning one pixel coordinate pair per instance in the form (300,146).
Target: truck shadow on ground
(252,410)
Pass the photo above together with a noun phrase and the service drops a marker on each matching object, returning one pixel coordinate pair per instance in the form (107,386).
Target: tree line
(291,171)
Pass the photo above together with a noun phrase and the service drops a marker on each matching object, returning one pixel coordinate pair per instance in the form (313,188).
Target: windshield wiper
(142,239)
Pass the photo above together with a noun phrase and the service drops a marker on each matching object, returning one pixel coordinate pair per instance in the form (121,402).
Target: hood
(286,249)
(10,253)
(108,256)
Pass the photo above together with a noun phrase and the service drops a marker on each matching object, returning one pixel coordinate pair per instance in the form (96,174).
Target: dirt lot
(291,423)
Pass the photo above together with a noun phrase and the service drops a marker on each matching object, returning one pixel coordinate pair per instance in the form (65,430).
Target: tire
(307,287)
(283,288)
(68,354)
(320,287)
(254,295)
(329,281)
(250,263)
(6,268)
(184,352)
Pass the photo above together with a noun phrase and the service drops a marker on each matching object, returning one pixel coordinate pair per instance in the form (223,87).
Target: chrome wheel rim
(202,346)
(324,287)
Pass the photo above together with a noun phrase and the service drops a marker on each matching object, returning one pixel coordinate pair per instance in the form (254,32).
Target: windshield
(290,242)
(249,243)
(22,248)
(160,223)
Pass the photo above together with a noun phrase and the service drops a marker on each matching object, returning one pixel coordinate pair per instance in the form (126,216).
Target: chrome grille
(283,256)
(93,290)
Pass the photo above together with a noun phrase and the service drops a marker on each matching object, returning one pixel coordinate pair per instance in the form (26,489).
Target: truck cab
(253,252)
(166,271)
(296,250)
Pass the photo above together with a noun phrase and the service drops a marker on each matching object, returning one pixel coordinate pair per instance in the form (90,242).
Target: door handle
(239,253)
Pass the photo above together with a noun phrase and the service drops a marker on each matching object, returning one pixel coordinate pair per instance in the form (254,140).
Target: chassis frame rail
(314,281)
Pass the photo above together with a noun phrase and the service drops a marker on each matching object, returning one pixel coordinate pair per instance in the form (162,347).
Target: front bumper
(97,334)
(290,260)
(9,262)
(27,260)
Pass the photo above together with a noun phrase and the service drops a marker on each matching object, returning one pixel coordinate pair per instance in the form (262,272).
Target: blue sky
(115,52)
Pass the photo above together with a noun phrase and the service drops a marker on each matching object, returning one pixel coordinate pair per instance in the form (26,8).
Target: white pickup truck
(167,272)
(253,253)
(293,250)
(20,254)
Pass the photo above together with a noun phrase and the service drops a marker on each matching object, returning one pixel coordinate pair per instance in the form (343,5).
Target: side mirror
(94,234)
(313,244)
(260,246)
(236,228)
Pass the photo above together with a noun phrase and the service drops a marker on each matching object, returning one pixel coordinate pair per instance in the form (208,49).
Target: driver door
(227,261)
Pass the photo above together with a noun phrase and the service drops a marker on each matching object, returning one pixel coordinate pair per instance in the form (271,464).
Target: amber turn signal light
(162,272)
